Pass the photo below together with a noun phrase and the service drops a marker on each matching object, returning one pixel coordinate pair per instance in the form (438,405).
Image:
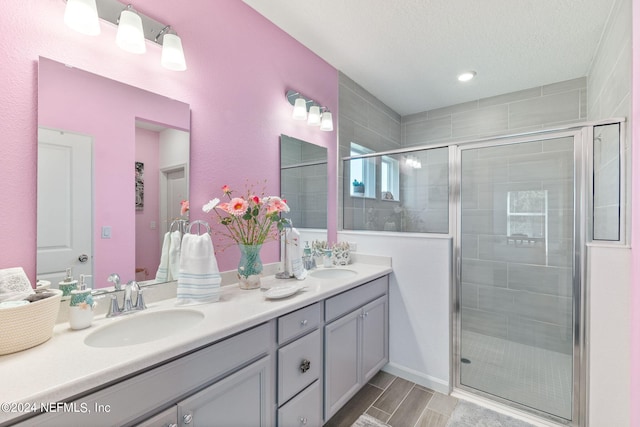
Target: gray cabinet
(168,418)
(356,342)
(300,367)
(243,399)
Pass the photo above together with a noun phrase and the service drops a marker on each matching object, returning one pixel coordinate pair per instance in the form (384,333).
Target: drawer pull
(305,365)
(187,418)
(172,425)
(303,421)
(304,322)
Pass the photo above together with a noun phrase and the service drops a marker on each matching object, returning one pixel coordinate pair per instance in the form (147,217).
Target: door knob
(83,258)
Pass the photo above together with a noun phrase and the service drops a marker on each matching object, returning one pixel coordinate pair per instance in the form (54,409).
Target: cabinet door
(241,399)
(168,418)
(375,337)
(342,354)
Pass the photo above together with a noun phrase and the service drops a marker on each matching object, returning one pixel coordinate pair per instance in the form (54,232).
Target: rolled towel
(162,275)
(14,284)
(199,279)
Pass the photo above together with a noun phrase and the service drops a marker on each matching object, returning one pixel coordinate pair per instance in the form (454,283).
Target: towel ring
(200,223)
(181,225)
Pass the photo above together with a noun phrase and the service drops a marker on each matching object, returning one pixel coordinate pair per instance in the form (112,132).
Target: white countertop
(64,366)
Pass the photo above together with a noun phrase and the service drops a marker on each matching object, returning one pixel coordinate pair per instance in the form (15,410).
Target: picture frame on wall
(139,186)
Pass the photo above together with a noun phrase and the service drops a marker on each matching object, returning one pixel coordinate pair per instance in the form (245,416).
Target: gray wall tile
(563,106)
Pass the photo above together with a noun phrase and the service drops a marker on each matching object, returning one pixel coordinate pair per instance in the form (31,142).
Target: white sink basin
(143,327)
(333,273)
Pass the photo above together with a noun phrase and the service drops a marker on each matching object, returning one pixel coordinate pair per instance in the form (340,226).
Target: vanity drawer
(304,409)
(299,322)
(357,297)
(299,364)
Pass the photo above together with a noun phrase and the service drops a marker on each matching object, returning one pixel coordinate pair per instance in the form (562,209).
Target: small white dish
(282,291)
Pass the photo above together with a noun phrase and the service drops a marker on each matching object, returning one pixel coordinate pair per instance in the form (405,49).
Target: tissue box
(28,325)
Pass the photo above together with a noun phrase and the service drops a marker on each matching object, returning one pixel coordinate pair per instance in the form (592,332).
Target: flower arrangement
(250,219)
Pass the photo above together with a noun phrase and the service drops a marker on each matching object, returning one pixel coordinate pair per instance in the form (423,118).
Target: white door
(65,205)
(173,190)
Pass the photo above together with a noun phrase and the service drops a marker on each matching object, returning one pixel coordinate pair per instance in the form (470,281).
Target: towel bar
(200,223)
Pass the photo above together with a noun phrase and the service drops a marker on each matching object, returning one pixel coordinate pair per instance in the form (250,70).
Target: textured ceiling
(408,52)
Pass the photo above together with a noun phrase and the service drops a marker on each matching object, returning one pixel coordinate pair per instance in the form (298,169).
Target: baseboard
(437,384)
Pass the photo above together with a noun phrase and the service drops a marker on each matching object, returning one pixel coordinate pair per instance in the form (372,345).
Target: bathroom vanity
(247,361)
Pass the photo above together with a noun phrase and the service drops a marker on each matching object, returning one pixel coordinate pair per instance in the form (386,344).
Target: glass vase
(249,267)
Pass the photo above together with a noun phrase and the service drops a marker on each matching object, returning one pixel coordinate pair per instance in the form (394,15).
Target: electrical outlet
(353,246)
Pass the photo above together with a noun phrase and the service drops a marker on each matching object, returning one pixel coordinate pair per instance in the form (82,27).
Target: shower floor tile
(531,376)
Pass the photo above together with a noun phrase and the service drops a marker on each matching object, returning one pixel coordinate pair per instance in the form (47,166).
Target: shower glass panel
(606,182)
(402,192)
(516,273)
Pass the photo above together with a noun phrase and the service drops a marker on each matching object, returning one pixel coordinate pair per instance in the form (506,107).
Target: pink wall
(635,218)
(81,102)
(239,67)
(147,238)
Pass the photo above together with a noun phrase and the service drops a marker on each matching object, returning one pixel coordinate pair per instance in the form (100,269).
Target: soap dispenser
(68,284)
(81,306)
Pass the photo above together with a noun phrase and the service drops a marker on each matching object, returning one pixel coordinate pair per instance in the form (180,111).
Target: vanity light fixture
(130,36)
(300,109)
(82,16)
(466,76)
(327,121)
(172,53)
(133,28)
(305,108)
(314,116)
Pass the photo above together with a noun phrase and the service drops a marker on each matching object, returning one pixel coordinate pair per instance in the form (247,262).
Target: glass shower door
(516,274)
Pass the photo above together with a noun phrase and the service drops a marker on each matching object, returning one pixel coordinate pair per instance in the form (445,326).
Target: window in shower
(362,173)
(411,197)
(389,178)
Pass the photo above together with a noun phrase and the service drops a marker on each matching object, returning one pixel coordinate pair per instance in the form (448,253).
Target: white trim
(436,384)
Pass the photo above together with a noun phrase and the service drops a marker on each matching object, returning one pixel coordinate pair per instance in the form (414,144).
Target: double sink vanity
(243,361)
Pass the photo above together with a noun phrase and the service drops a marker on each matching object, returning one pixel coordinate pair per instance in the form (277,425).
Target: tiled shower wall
(368,122)
(518,289)
(528,110)
(523,111)
(609,85)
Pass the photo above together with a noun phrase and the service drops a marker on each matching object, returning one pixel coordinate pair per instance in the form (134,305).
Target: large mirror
(113,167)
(303,182)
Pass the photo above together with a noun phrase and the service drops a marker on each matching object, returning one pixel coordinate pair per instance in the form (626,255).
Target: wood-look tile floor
(397,402)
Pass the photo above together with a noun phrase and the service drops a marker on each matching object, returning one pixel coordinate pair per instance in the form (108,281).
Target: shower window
(412,196)
(390,178)
(527,216)
(362,173)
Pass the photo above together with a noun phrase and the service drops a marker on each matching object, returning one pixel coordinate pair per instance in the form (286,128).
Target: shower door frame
(581,155)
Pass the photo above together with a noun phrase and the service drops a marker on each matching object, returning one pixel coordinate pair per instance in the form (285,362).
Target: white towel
(14,284)
(162,275)
(175,248)
(199,278)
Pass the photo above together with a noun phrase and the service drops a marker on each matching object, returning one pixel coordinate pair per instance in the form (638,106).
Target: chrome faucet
(128,306)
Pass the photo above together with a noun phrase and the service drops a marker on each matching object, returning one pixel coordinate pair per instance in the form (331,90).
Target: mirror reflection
(113,167)
(303,182)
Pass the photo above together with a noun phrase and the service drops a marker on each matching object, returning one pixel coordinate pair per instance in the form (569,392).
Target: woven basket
(28,325)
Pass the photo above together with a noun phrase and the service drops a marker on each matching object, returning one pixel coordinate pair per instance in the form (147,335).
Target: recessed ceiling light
(466,76)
